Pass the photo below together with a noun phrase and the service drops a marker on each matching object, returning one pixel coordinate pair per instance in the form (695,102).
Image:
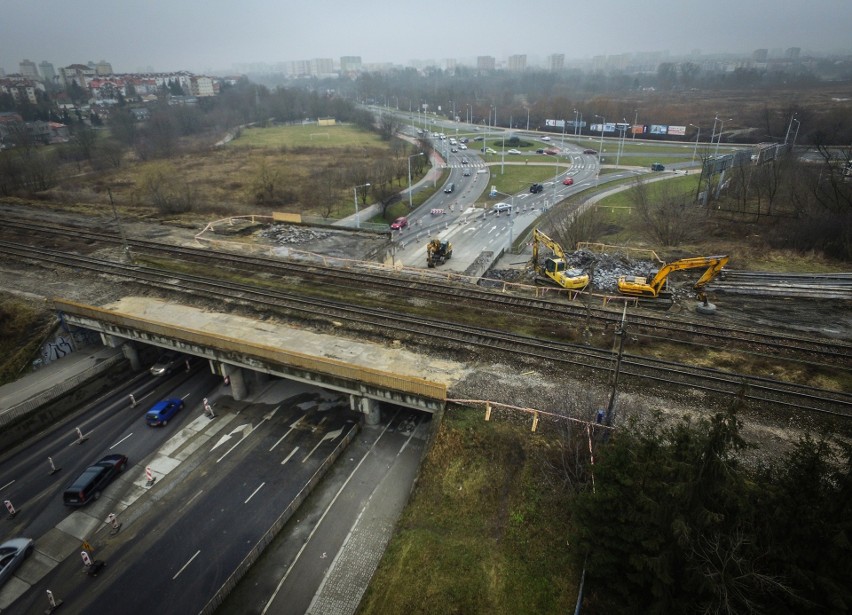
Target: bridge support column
(236,378)
(259,379)
(132,354)
(368,407)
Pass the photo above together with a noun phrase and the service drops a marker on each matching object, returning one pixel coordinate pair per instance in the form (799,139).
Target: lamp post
(719,136)
(575,122)
(697,136)
(469,114)
(357,214)
(528,119)
(796,134)
(621,144)
(635,121)
(790,127)
(409,177)
(600,147)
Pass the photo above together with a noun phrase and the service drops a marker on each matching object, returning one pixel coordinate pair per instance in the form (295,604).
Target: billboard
(555,123)
(638,129)
(608,127)
(659,129)
(677,130)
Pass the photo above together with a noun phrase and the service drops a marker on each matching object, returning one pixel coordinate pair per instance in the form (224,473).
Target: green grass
(313,136)
(483,532)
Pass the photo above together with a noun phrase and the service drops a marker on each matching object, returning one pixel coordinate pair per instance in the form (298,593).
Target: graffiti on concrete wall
(64,343)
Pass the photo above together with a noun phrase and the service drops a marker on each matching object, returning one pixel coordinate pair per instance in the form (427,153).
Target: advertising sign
(554,123)
(659,129)
(677,130)
(638,129)
(608,127)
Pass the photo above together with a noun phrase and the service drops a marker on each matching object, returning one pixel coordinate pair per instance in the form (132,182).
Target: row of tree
(674,522)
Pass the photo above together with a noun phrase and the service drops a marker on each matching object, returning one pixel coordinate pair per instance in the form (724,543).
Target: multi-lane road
(221,484)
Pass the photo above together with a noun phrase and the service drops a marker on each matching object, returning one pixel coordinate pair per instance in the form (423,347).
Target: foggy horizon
(206,38)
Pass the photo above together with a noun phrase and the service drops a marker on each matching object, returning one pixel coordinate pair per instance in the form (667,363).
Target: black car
(167,363)
(94,480)
(536,188)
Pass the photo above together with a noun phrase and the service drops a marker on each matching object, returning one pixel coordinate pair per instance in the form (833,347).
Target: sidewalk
(55,378)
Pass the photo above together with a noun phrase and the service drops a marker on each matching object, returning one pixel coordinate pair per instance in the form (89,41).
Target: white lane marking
(186,564)
(228,436)
(254,492)
(287,458)
(319,522)
(247,434)
(292,427)
(329,436)
(6,485)
(120,441)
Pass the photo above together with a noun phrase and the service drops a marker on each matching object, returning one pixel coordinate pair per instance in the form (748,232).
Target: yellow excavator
(556,267)
(641,287)
(438,252)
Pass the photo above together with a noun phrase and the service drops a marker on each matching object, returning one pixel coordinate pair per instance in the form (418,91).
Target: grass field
(484,531)
(307,136)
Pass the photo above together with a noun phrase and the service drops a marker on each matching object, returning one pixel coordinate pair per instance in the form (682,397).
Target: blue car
(162,412)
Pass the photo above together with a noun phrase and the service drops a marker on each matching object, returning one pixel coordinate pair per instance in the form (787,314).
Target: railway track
(638,371)
(400,287)
(789,285)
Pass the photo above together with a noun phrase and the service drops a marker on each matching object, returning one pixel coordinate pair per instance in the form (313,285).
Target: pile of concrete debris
(290,234)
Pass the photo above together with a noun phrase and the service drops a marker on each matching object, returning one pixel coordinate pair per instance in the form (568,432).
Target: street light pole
(528,119)
(719,137)
(635,121)
(698,136)
(621,145)
(575,123)
(600,147)
(357,213)
(409,177)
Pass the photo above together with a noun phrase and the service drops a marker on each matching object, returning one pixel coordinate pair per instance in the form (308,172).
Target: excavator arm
(556,268)
(642,288)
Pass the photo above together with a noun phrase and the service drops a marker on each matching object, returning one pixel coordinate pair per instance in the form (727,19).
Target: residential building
(556,62)
(322,66)
(518,63)
(103,68)
(202,86)
(760,55)
(76,73)
(29,70)
(485,63)
(48,73)
(350,64)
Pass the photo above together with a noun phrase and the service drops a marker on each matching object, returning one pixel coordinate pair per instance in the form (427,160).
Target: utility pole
(621,332)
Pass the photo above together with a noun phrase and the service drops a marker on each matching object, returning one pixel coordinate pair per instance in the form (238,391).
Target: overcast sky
(215,35)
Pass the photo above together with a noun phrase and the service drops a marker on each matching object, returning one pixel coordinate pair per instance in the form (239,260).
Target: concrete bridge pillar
(368,407)
(112,341)
(131,354)
(259,379)
(236,378)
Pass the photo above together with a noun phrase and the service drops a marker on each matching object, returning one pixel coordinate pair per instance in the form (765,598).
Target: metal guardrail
(25,407)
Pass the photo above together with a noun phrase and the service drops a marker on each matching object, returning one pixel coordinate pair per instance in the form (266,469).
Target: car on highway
(568,181)
(455,150)
(462,146)
(501,207)
(539,150)
(479,138)
(536,188)
(514,151)
(590,151)
(163,411)
(167,363)
(12,554)
(658,167)
(466,173)
(464,160)
(545,138)
(94,479)
(399,224)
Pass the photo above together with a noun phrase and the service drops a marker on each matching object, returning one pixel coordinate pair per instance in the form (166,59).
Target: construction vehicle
(556,267)
(438,252)
(641,287)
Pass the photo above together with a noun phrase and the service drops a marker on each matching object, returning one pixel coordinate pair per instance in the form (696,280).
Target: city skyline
(207,38)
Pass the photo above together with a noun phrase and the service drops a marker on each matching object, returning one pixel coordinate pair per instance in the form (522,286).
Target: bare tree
(668,218)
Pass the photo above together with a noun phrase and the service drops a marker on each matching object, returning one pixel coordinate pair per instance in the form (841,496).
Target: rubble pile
(288,234)
(605,268)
